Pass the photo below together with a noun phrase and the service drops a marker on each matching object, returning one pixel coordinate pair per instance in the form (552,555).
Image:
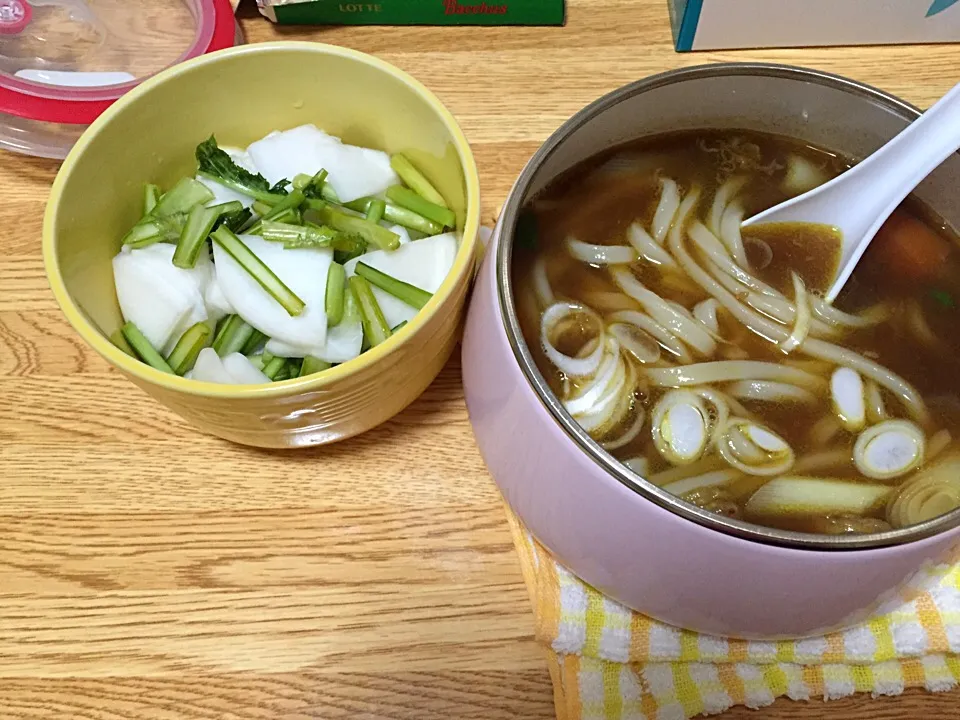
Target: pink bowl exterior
(642,555)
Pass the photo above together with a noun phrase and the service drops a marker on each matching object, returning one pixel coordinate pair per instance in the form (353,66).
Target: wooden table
(147,572)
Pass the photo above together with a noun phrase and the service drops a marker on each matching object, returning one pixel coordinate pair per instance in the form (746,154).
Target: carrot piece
(909,249)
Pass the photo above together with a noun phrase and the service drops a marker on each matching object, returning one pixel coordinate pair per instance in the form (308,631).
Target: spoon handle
(898,167)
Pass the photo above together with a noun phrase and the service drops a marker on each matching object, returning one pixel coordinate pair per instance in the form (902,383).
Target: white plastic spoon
(860,200)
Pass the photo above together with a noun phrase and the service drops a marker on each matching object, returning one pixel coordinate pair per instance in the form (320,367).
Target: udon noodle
(704,355)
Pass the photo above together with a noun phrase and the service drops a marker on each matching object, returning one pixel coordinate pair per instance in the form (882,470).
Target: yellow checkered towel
(610,663)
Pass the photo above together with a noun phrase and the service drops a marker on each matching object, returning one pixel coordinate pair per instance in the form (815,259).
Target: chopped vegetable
(889,449)
(216,164)
(236,220)
(273,368)
(181,198)
(849,398)
(117,338)
(142,347)
(161,299)
(258,271)
(933,491)
(416,181)
(397,328)
(375,328)
(152,230)
(805,496)
(410,294)
(354,172)
(410,200)
(233,336)
(151,195)
(256,340)
(312,365)
(193,239)
(396,214)
(422,263)
(308,236)
(375,210)
(372,233)
(313,188)
(303,271)
(188,347)
(290,202)
(906,249)
(243,371)
(336,279)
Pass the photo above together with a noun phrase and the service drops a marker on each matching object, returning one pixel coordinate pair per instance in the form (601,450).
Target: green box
(414,12)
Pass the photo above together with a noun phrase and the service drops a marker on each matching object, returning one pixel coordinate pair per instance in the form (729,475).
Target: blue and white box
(729,24)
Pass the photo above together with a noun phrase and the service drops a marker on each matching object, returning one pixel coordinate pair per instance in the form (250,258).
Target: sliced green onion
(408,199)
(194,236)
(369,231)
(117,338)
(272,368)
(144,350)
(336,279)
(256,361)
(410,294)
(233,336)
(260,272)
(375,210)
(375,327)
(416,181)
(184,354)
(398,327)
(293,367)
(312,365)
(151,196)
(182,197)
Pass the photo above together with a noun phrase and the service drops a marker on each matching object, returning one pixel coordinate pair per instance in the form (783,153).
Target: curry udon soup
(704,357)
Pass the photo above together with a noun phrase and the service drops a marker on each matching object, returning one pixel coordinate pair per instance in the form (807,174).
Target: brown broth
(597,201)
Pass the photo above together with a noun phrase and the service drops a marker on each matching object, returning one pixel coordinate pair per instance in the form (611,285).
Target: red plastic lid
(14,16)
(62,62)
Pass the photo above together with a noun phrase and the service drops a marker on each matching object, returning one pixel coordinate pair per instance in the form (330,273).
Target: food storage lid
(66,61)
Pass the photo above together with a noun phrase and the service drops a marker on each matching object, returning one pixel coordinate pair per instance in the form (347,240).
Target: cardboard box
(414,12)
(728,24)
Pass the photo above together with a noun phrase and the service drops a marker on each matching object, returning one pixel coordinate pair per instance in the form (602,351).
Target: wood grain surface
(147,572)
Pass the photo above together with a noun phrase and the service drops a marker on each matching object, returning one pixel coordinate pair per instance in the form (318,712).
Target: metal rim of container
(17,99)
(647,490)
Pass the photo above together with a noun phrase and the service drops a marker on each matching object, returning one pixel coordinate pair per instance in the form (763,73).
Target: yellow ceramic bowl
(242,94)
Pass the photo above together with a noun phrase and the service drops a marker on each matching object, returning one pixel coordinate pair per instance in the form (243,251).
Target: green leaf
(217,163)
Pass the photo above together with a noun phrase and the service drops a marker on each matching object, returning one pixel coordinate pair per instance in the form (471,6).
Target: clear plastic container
(63,62)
